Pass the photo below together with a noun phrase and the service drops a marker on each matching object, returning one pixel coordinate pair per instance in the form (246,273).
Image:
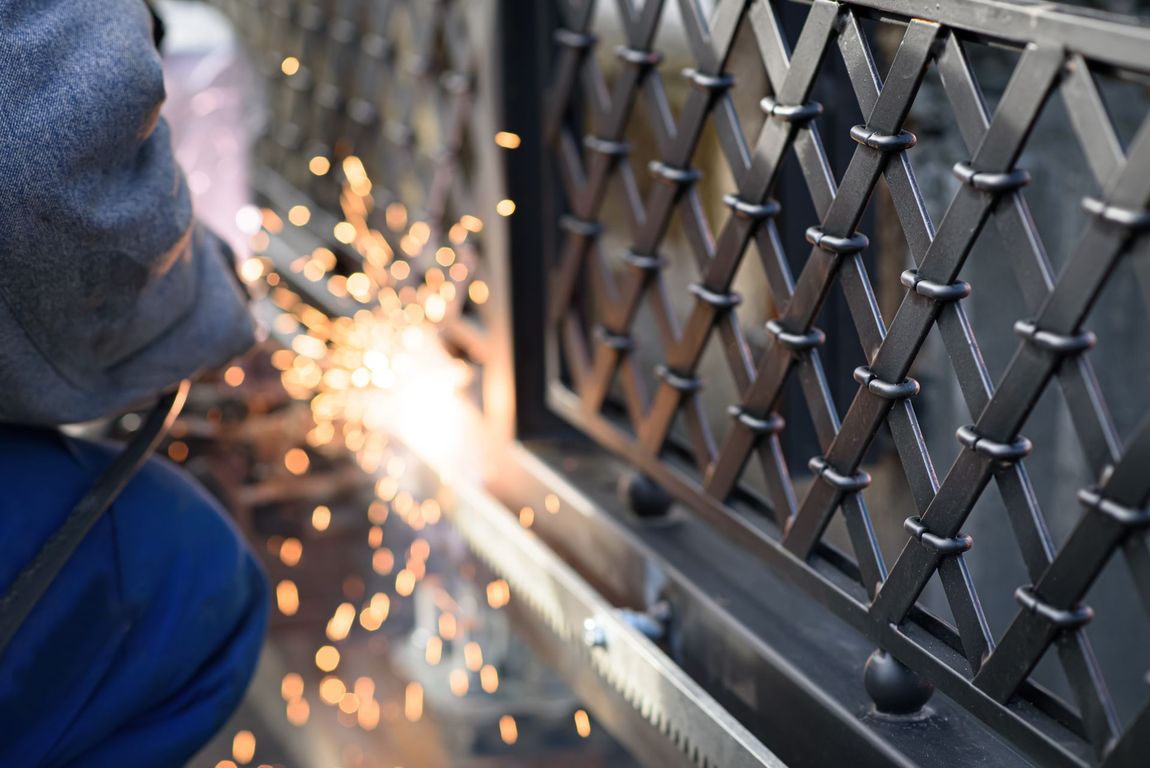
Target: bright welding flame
(378,369)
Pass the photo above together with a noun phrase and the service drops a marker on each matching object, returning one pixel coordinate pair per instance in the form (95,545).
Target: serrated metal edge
(653,684)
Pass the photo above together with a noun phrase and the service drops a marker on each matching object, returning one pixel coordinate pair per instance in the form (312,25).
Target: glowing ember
(331,690)
(377,512)
(299,215)
(383,561)
(327,658)
(234,376)
(321,518)
(349,703)
(291,551)
(478,292)
(458,682)
(582,723)
(413,702)
(420,549)
(508,730)
(448,626)
(244,747)
(489,678)
(319,165)
(287,598)
(508,140)
(292,687)
(340,623)
(296,460)
(498,593)
(364,688)
(375,537)
(434,651)
(473,656)
(405,583)
(372,618)
(369,714)
(251,270)
(298,712)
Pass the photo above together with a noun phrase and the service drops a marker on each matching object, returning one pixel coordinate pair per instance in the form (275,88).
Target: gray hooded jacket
(108,290)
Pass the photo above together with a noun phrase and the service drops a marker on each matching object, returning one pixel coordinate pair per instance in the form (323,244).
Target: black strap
(35,578)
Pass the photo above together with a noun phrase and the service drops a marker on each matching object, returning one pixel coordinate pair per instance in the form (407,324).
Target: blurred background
(390,644)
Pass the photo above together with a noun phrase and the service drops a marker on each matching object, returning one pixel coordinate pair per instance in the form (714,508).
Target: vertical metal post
(516,374)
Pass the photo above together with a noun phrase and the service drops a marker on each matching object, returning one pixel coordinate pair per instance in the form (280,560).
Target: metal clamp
(1063,618)
(1127,517)
(638,57)
(677,381)
(797,342)
(882,141)
(1004,453)
(712,83)
(1058,343)
(1123,217)
(955,291)
(840,246)
(571,39)
(619,342)
(720,301)
(669,174)
(908,387)
(791,113)
(608,147)
(642,261)
(754,212)
(953,546)
(771,425)
(991,181)
(831,476)
(580,227)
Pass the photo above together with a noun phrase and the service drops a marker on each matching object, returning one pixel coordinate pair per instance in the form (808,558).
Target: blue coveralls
(145,643)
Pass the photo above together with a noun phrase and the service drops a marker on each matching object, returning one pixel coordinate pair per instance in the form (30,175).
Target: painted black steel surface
(1060,53)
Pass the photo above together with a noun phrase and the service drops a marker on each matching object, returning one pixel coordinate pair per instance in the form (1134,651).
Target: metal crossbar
(594,307)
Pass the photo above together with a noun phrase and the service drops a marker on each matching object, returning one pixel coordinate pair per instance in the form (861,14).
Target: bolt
(594,635)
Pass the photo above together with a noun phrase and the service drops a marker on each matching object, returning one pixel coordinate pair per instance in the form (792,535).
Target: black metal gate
(665,222)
